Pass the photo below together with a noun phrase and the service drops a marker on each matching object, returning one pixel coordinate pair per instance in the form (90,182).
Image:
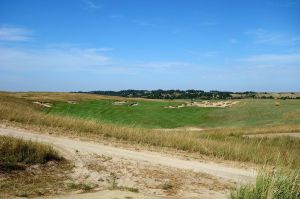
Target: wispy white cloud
(178,30)
(272,62)
(291,3)
(207,54)
(68,57)
(116,16)
(262,36)
(52,59)
(63,46)
(91,4)
(208,22)
(166,65)
(286,3)
(274,58)
(233,41)
(143,23)
(210,54)
(12,33)
(135,21)
(94,50)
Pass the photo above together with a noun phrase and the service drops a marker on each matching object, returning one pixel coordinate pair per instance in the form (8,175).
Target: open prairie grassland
(154,114)
(225,134)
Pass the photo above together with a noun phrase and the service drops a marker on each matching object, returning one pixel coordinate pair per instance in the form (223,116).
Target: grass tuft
(18,178)
(14,152)
(82,186)
(167,186)
(276,185)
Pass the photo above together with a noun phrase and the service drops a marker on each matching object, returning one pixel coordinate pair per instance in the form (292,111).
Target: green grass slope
(152,114)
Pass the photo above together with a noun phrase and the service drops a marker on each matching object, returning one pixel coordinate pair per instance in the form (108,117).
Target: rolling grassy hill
(222,142)
(152,114)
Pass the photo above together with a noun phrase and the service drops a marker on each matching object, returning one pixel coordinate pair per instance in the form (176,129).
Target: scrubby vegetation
(29,169)
(276,185)
(14,151)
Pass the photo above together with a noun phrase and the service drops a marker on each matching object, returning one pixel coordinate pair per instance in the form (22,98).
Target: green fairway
(256,112)
(152,114)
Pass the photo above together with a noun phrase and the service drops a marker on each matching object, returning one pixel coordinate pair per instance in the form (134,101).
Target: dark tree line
(186,94)
(167,94)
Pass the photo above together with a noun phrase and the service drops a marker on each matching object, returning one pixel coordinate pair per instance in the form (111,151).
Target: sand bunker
(47,105)
(118,103)
(179,106)
(220,104)
(71,102)
(122,103)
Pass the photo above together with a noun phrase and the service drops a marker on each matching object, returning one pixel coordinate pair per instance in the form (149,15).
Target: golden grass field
(215,143)
(221,143)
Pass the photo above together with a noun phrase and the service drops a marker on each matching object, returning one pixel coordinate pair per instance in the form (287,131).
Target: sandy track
(69,146)
(108,195)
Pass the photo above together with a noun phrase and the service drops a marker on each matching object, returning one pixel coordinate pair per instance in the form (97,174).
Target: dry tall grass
(275,185)
(226,144)
(25,172)
(64,97)
(14,151)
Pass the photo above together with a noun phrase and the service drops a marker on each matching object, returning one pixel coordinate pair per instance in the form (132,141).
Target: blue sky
(72,45)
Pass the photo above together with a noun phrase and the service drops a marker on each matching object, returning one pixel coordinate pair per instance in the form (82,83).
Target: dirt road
(78,151)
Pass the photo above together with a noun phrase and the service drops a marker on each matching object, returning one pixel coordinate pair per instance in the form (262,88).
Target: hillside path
(71,145)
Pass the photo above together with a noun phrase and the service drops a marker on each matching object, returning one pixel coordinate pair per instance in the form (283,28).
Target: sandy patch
(122,103)
(72,102)
(180,129)
(220,104)
(47,105)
